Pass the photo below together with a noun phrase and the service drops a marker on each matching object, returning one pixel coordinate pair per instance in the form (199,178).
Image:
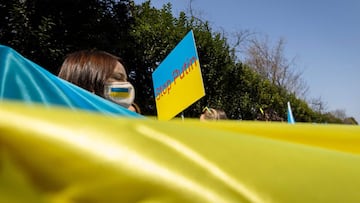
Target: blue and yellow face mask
(122,93)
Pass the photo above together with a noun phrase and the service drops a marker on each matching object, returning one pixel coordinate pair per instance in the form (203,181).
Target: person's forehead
(119,69)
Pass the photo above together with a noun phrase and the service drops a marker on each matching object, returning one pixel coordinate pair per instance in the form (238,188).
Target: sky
(323,36)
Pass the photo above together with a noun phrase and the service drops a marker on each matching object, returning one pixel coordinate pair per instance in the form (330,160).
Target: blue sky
(322,35)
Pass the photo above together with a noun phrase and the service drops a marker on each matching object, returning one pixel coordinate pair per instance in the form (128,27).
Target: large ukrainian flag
(59,155)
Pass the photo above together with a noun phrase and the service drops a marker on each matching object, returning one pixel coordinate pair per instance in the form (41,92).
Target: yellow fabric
(57,155)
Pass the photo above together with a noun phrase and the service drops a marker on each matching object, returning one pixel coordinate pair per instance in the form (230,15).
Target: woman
(99,72)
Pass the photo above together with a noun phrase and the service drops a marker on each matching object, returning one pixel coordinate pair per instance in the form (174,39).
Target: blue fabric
(290,116)
(23,80)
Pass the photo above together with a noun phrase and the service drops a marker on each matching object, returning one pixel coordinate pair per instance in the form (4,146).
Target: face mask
(122,93)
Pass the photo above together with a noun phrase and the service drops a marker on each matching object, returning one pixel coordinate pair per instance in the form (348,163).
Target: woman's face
(119,74)
(117,89)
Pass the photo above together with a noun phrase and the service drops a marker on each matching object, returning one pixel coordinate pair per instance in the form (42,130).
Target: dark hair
(221,114)
(136,107)
(89,69)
